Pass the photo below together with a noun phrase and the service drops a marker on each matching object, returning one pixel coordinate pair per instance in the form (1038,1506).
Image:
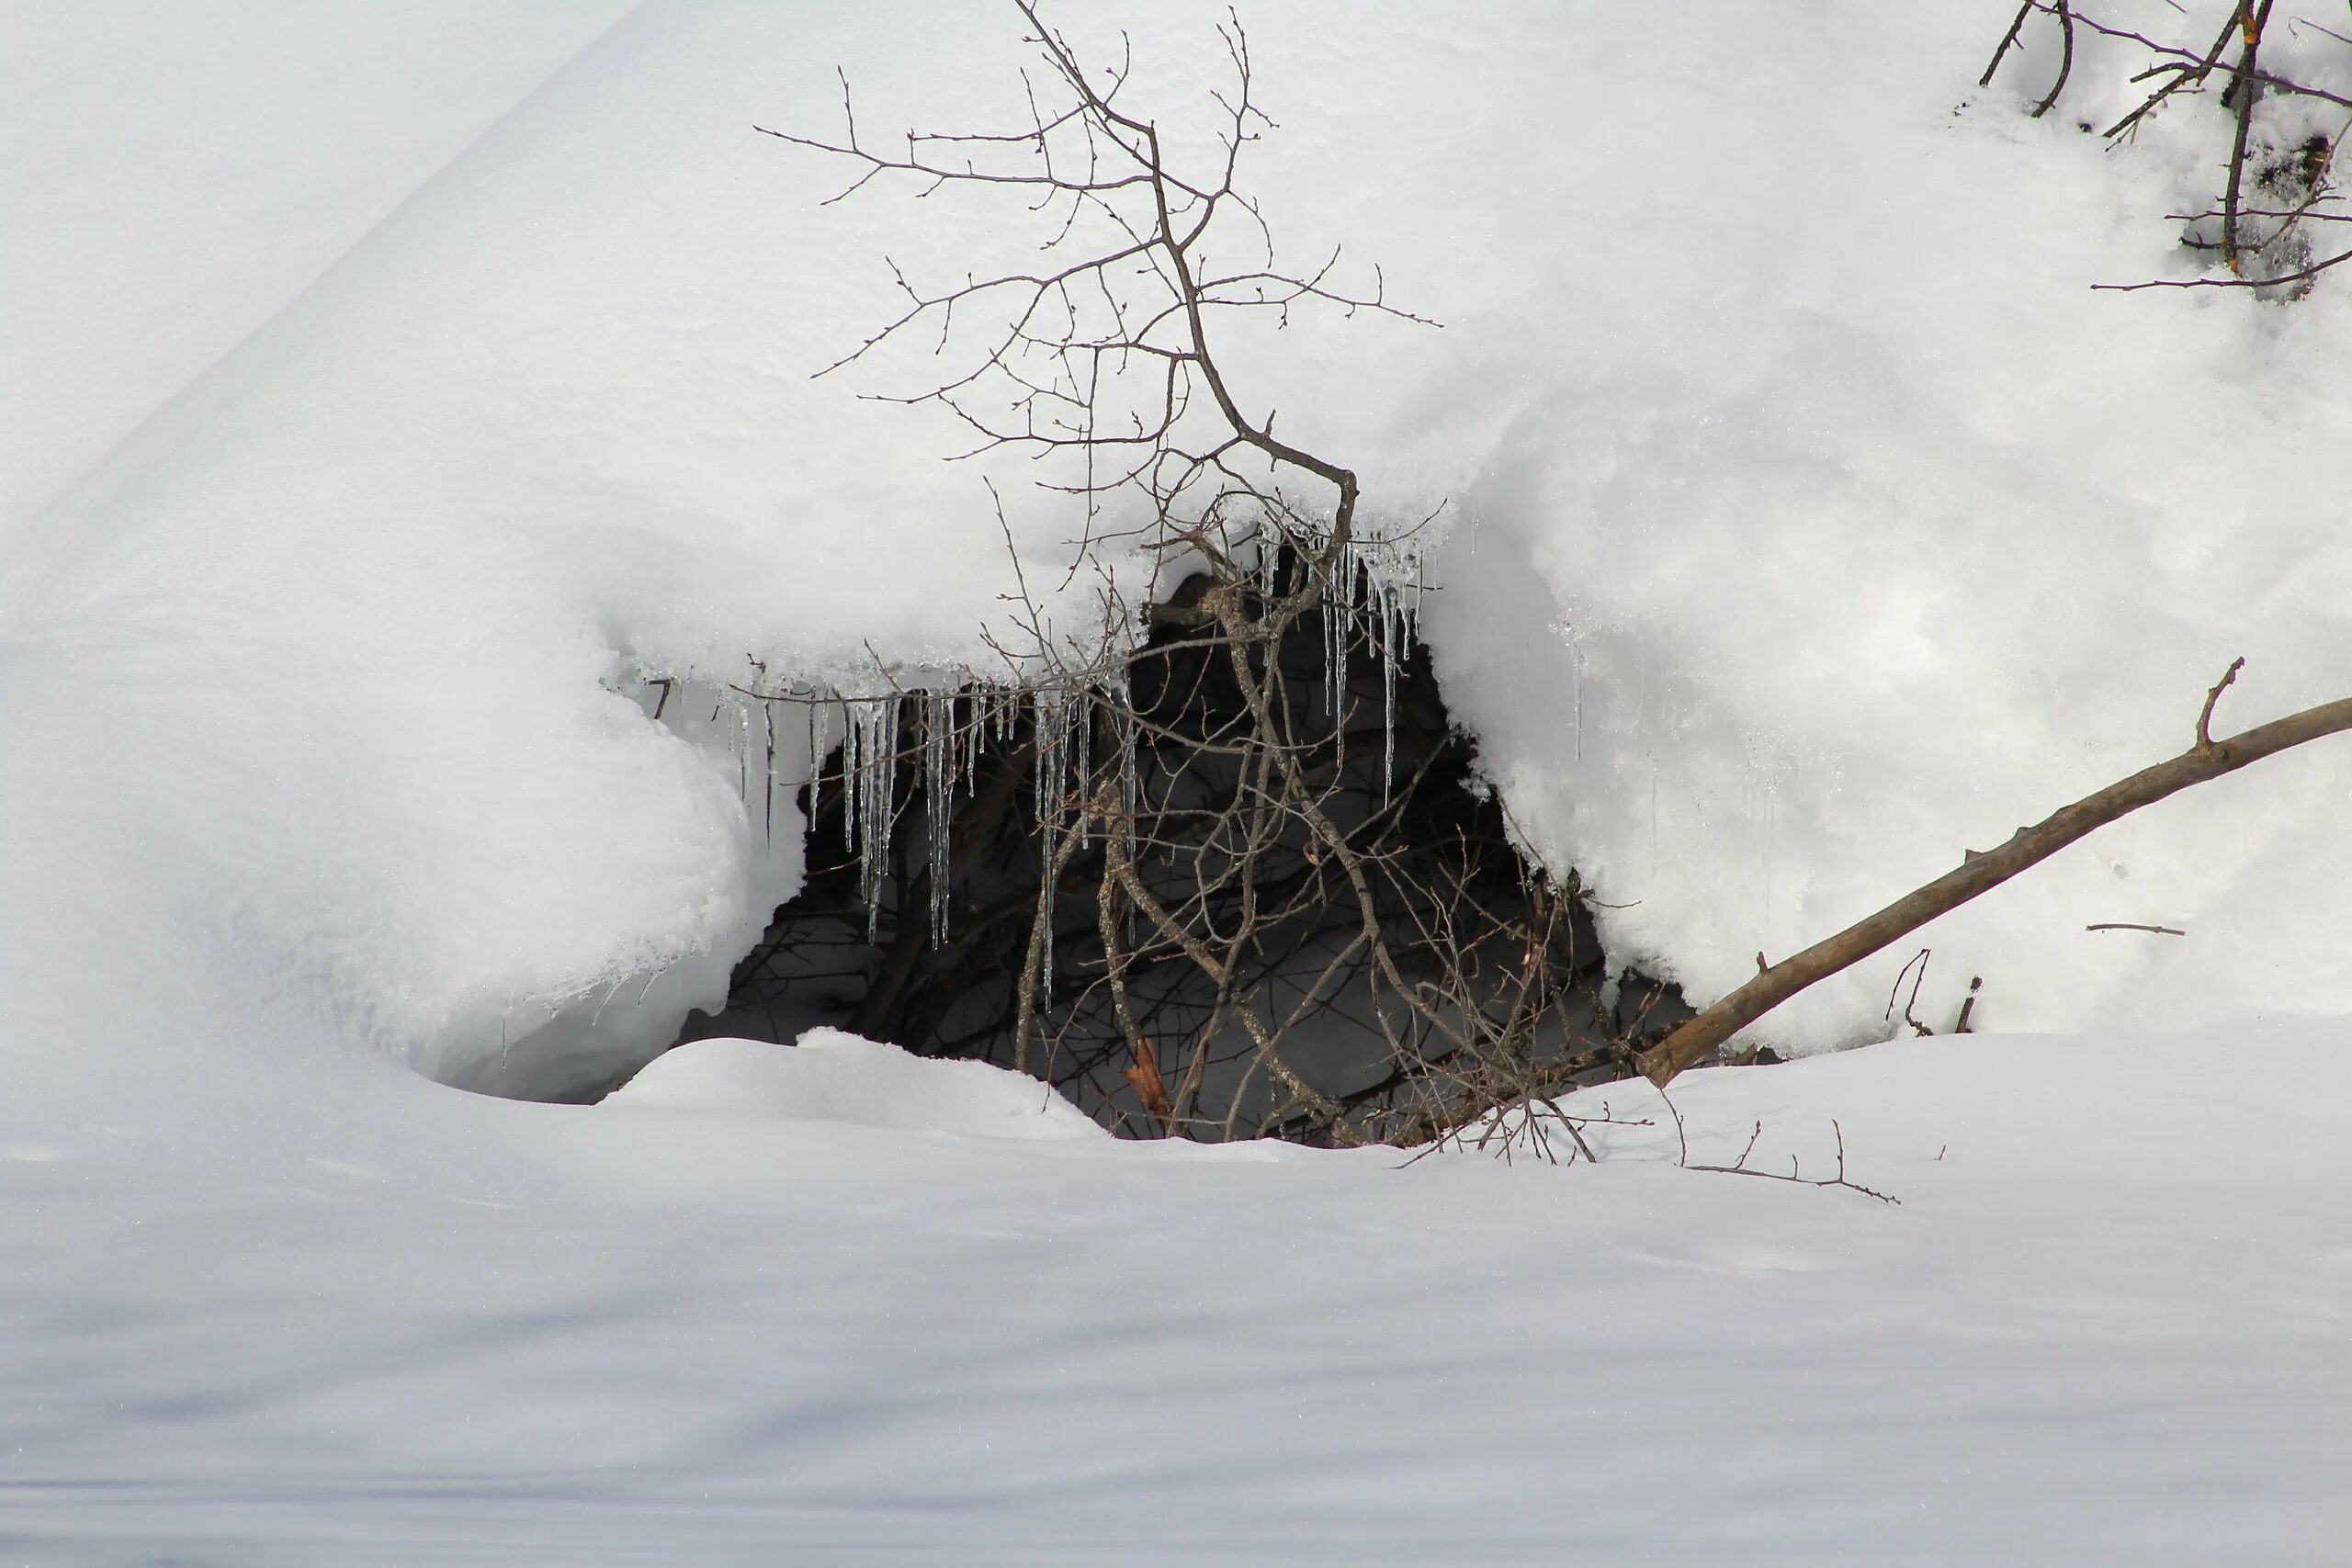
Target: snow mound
(831,1075)
(1811,520)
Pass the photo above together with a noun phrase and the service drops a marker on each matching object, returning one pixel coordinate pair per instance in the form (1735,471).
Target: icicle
(1384,598)
(874,736)
(1046,737)
(853,771)
(1338,627)
(1576,666)
(742,751)
(885,774)
(971,742)
(1334,653)
(821,723)
(1130,742)
(853,737)
(938,771)
(767,812)
(1654,816)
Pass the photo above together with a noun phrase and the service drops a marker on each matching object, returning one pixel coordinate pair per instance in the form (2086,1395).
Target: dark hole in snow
(1509,961)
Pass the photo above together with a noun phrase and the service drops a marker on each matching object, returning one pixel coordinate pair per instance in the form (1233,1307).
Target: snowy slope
(2111,1321)
(178,173)
(340,638)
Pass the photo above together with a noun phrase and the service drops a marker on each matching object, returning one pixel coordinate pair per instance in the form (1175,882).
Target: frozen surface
(391,1323)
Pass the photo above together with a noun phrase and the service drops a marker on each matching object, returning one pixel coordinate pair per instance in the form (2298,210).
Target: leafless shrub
(2268,224)
(1219,871)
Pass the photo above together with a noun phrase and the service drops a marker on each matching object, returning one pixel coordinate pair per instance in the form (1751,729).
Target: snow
(832,1077)
(1805,519)
(418,1326)
(411,469)
(188,170)
(1845,530)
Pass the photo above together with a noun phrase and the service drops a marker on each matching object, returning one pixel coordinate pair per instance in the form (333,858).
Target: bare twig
(1915,970)
(2300,275)
(2065,60)
(1795,1175)
(2247,86)
(1968,1004)
(2278,260)
(2205,714)
(2008,38)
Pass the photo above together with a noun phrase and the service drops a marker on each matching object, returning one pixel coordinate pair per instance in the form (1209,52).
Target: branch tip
(2205,718)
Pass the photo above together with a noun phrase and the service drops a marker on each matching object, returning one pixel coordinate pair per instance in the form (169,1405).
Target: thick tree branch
(2206,758)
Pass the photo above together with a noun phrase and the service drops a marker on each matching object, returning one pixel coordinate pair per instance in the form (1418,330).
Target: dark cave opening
(1400,960)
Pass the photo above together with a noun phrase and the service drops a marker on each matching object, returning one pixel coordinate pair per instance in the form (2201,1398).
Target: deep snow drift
(2108,1322)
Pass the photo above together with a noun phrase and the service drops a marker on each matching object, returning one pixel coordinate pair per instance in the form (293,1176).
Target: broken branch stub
(2205,758)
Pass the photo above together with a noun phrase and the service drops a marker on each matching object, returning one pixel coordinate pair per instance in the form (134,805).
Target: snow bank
(1807,519)
(326,679)
(1836,526)
(177,173)
(829,1075)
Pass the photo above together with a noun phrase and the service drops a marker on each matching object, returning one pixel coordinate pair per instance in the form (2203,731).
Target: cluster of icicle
(956,722)
(1389,580)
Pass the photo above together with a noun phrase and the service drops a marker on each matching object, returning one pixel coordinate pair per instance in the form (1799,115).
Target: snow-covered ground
(391,390)
(2111,1321)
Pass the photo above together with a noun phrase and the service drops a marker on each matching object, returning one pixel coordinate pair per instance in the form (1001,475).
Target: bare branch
(1980,873)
